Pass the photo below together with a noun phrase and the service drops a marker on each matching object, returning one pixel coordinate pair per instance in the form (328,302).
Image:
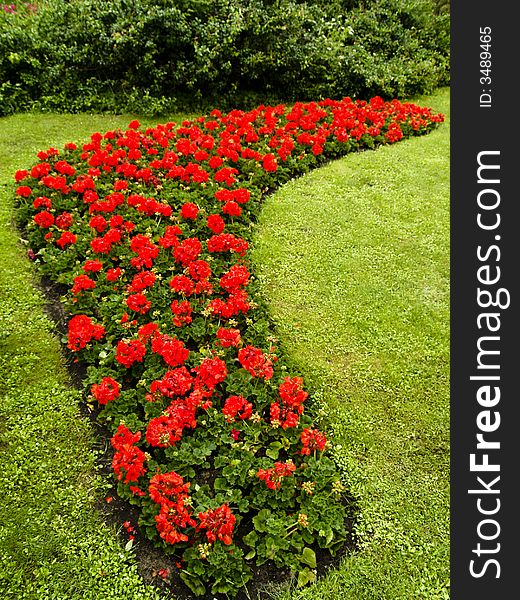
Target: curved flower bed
(149,230)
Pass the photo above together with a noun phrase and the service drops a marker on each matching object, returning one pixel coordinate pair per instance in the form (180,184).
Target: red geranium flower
(218,523)
(106,391)
(254,361)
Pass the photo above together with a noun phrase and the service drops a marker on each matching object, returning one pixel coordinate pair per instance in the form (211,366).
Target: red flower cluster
(128,460)
(83,330)
(174,383)
(228,337)
(82,283)
(153,224)
(273,477)
(105,391)
(237,406)
(210,373)
(218,524)
(129,353)
(171,493)
(171,349)
(286,411)
(312,439)
(254,361)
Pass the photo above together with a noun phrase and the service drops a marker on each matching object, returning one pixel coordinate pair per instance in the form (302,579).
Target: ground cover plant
(149,231)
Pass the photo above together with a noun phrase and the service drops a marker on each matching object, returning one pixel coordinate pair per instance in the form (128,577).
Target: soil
(154,566)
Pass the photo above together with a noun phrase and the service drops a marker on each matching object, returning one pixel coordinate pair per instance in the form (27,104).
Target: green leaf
(250,555)
(129,545)
(260,519)
(306,576)
(274,450)
(194,583)
(308,557)
(251,538)
(220,483)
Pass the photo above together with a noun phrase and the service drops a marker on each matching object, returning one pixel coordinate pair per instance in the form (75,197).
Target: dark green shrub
(152,56)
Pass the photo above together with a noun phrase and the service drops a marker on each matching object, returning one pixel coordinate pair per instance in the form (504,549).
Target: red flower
(199,270)
(232,209)
(182,312)
(228,337)
(273,477)
(147,332)
(162,432)
(189,210)
(101,245)
(188,251)
(64,221)
(182,284)
(215,161)
(269,163)
(171,349)
(105,391)
(227,241)
(20,175)
(130,352)
(128,460)
(146,251)
(63,167)
(292,394)
(23,190)
(66,239)
(166,487)
(283,416)
(42,201)
(82,283)
(92,266)
(169,519)
(237,406)
(174,383)
(236,277)
(98,223)
(120,184)
(44,219)
(255,362)
(141,281)
(82,330)
(138,303)
(216,223)
(113,274)
(211,372)
(170,239)
(312,439)
(218,523)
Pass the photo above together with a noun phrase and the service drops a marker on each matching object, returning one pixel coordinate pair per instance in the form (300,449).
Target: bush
(153,55)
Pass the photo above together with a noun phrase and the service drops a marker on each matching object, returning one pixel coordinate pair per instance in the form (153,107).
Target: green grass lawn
(353,259)
(354,262)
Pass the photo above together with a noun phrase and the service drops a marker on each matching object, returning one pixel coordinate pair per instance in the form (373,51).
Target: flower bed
(149,230)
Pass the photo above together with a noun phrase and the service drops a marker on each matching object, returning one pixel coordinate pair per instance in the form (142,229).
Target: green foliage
(151,56)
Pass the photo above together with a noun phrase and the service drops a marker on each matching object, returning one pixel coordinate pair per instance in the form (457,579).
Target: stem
(294,527)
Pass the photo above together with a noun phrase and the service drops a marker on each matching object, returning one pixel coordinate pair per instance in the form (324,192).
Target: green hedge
(153,56)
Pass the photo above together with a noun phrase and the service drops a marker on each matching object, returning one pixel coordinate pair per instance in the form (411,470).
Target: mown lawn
(354,262)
